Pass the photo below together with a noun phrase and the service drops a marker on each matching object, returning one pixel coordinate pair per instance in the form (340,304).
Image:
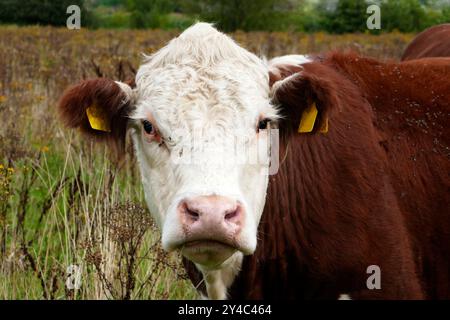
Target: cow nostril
(231,215)
(192,214)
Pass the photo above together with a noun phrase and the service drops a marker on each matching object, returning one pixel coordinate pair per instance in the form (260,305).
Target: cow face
(198,118)
(199,129)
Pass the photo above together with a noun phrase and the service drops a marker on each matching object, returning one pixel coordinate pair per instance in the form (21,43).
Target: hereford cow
(433,42)
(363,175)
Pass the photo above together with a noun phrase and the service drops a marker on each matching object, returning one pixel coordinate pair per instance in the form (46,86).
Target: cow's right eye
(262,124)
(148,127)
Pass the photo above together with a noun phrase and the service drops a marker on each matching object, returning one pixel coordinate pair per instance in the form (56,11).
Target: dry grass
(62,201)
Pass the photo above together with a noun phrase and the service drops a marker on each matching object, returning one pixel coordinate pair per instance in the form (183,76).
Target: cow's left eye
(148,127)
(262,125)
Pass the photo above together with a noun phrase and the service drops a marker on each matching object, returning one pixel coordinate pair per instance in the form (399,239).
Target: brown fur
(374,190)
(433,42)
(413,115)
(109,97)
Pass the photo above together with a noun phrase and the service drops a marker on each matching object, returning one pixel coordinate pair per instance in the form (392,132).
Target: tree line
(334,16)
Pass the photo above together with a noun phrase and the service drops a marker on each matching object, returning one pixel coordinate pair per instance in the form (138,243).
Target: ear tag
(308,119)
(96,119)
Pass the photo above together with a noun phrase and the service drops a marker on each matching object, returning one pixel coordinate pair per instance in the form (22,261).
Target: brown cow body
(433,42)
(373,191)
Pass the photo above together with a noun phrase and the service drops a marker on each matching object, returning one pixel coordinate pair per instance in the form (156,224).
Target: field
(73,222)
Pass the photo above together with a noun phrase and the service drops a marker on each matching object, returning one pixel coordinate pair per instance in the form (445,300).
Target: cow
(361,184)
(433,42)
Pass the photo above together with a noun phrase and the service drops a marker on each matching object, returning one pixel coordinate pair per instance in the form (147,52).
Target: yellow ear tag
(308,119)
(96,119)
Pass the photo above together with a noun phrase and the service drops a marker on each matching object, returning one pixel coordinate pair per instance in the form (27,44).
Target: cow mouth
(207,252)
(207,244)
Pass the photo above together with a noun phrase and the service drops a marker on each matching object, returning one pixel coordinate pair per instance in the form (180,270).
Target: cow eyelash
(263,123)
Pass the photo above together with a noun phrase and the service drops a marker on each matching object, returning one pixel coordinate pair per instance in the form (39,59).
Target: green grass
(68,200)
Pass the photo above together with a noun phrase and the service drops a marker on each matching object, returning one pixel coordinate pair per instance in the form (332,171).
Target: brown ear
(315,84)
(112,101)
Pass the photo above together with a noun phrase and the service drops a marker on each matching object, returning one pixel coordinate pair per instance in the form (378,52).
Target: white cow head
(197,115)
(196,99)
